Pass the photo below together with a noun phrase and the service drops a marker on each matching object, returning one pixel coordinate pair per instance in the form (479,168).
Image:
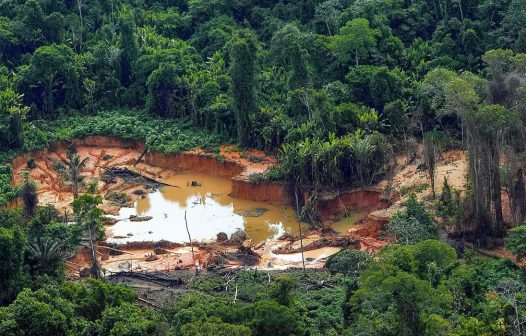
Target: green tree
(271,318)
(494,121)
(329,12)
(385,87)
(401,304)
(30,197)
(128,46)
(212,36)
(214,327)
(413,225)
(74,167)
(243,72)
(51,79)
(463,96)
(395,118)
(355,38)
(283,290)
(12,246)
(36,317)
(49,242)
(90,217)
(168,93)
(400,294)
(516,241)
(349,262)
(12,117)
(288,50)
(128,320)
(33,27)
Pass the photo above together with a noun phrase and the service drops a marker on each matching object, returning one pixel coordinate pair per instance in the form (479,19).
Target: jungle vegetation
(336,89)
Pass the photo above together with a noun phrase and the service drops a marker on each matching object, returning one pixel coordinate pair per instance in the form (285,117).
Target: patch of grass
(272,175)
(251,158)
(219,157)
(416,189)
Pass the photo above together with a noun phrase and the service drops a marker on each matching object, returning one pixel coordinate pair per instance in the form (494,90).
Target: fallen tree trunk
(130,175)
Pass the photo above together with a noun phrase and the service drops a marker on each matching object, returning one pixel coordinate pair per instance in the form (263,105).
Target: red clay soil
(105,152)
(101,152)
(271,192)
(81,260)
(332,206)
(16,203)
(196,163)
(229,162)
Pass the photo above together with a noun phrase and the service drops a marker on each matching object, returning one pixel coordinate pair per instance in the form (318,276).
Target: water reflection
(209,211)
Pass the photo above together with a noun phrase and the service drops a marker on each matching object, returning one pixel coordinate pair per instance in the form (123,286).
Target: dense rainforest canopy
(336,89)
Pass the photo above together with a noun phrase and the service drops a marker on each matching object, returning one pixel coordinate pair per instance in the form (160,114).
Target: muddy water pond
(209,210)
(349,219)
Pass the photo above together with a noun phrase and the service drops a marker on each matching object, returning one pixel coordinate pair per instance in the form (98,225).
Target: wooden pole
(299,226)
(301,245)
(140,157)
(190,239)
(94,264)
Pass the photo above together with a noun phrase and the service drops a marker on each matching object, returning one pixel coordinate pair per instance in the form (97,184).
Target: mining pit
(233,220)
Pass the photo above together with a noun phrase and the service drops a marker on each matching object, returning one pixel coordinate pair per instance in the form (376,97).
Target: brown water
(209,210)
(353,217)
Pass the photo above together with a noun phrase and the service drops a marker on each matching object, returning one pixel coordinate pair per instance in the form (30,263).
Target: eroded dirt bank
(105,153)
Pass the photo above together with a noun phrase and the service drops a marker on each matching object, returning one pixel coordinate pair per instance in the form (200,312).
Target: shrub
(348,262)
(8,192)
(31,163)
(516,241)
(413,225)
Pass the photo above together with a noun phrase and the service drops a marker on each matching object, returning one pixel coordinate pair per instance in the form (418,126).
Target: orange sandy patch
(245,159)
(53,189)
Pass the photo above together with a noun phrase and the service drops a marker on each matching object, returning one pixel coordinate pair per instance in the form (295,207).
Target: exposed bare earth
(104,153)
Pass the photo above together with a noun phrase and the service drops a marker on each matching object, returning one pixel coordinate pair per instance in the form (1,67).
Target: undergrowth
(159,134)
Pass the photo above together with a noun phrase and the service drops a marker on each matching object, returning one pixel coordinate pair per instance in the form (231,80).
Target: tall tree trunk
(461,12)
(75,189)
(79,5)
(480,215)
(191,244)
(496,188)
(301,245)
(519,193)
(48,97)
(94,262)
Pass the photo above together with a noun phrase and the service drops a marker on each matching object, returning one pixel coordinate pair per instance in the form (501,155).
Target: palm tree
(362,150)
(45,250)
(88,215)
(433,144)
(74,170)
